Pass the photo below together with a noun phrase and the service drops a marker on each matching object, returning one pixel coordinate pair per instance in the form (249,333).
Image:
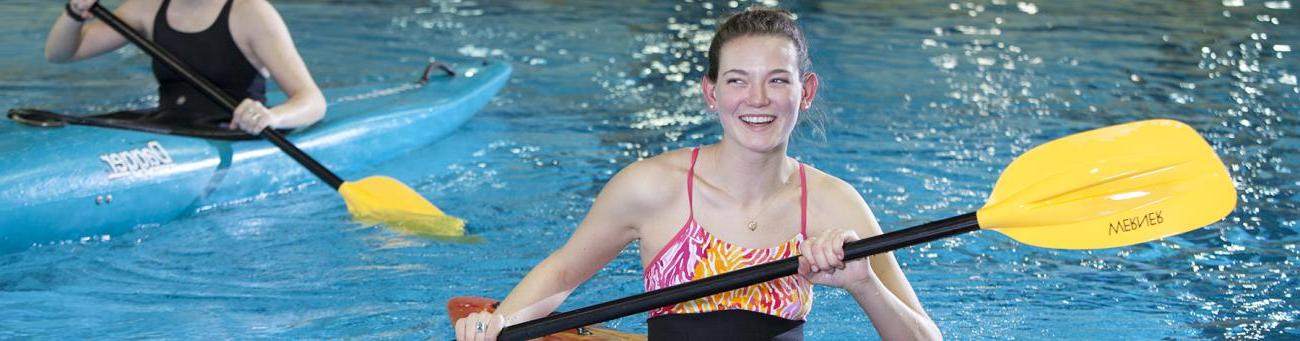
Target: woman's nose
(757,97)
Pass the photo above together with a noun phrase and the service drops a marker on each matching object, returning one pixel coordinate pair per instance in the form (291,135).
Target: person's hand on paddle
(482,325)
(81,9)
(251,116)
(821,260)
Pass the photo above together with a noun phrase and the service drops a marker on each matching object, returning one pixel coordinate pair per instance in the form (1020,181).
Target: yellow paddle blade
(1110,187)
(381,199)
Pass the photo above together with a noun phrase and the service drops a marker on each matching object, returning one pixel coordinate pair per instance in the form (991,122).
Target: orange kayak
(461,306)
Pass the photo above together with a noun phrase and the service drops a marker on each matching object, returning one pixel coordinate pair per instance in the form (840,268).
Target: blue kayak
(77,181)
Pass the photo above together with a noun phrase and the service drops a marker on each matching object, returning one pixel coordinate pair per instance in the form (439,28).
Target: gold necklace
(753,218)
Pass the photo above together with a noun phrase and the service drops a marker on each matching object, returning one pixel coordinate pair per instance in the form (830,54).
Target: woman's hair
(759,21)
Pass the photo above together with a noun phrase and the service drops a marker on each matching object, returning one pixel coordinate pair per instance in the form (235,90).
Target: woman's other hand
(251,116)
(82,8)
(480,326)
(821,260)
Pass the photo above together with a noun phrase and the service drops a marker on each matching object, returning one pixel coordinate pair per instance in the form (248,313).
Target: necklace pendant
(753,225)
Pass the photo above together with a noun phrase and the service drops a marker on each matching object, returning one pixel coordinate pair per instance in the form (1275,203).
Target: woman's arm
(607,229)
(70,41)
(271,46)
(877,284)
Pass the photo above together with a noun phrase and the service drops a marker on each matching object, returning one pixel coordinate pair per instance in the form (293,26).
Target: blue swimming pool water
(923,103)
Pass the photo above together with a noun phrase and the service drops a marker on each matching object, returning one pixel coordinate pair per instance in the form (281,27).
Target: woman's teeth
(757,119)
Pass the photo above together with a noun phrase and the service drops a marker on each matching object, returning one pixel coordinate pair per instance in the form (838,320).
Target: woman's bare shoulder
(669,162)
(138,12)
(245,5)
(654,181)
(828,184)
(838,203)
(138,4)
(259,14)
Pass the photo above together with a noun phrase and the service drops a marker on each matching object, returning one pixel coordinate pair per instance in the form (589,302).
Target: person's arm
(877,284)
(268,39)
(70,40)
(607,229)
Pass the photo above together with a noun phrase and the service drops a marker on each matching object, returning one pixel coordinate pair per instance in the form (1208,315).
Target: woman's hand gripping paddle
(375,199)
(1110,187)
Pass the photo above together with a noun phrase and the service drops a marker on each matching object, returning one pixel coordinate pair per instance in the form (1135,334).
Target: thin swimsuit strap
(803,193)
(803,202)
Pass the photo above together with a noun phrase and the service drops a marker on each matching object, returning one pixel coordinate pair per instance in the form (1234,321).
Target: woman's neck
(750,176)
(189,7)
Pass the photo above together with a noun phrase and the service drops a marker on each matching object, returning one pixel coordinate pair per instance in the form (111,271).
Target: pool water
(922,104)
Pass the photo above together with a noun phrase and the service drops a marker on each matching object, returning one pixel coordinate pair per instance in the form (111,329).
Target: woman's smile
(757,120)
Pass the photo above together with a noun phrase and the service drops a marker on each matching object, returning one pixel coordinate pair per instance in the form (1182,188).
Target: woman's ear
(809,91)
(707,88)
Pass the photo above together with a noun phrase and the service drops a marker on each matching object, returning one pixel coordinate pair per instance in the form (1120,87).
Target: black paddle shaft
(213,93)
(733,280)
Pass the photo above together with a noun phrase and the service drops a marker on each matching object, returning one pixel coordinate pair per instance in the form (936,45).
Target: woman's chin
(761,144)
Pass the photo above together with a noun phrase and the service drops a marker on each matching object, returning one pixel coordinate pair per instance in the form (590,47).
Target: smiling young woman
(703,211)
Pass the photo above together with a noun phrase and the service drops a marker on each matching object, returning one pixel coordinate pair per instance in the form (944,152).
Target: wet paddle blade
(381,199)
(1111,187)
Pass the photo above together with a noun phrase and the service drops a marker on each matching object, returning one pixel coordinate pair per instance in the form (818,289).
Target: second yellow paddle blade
(1110,187)
(381,199)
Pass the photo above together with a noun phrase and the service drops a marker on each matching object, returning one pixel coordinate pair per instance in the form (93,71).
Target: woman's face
(759,92)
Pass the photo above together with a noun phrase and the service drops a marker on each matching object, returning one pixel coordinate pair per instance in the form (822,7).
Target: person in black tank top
(212,53)
(234,44)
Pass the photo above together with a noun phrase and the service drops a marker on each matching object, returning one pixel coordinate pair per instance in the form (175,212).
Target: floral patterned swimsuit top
(694,253)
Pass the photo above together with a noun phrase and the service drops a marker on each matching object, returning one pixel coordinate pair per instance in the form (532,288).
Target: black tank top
(723,325)
(215,56)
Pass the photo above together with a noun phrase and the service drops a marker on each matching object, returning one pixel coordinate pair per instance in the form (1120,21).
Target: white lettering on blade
(136,161)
